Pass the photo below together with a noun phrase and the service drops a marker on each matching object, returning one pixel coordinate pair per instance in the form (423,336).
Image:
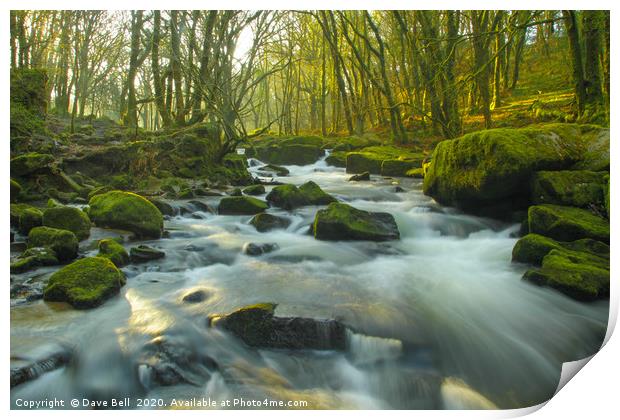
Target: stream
(439,319)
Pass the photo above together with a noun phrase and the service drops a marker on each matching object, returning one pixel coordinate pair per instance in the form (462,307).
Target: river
(442,317)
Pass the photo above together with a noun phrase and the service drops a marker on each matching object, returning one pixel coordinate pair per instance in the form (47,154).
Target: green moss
(252,323)
(68,218)
(128,211)
(32,258)
(607,199)
(578,275)
(567,223)
(86,283)
(532,248)
(568,188)
(289,197)
(52,202)
(29,163)
(278,170)
(340,221)
(264,222)
(241,206)
(337,159)
(383,160)
(62,242)
(98,190)
(28,219)
(254,190)
(17,210)
(415,173)
(115,252)
(28,99)
(15,190)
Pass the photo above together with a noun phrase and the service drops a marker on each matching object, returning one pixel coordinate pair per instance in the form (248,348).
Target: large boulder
(115,252)
(300,150)
(340,221)
(30,163)
(29,218)
(532,248)
(383,160)
(275,169)
(254,190)
(128,211)
(84,284)
(569,188)
(289,197)
(63,242)
(264,222)
(241,206)
(257,326)
(567,223)
(68,218)
(484,168)
(580,275)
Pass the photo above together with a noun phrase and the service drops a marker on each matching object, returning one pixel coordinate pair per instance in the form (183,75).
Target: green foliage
(84,284)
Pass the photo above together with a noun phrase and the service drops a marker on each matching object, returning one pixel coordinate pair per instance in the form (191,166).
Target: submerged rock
(340,221)
(115,252)
(257,326)
(364,176)
(278,170)
(165,208)
(33,370)
(289,196)
(241,206)
(128,211)
(567,223)
(196,296)
(144,253)
(264,222)
(85,283)
(63,242)
(33,258)
(68,218)
(569,188)
(255,249)
(254,190)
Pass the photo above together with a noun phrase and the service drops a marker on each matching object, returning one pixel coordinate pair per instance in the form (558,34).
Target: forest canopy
(440,73)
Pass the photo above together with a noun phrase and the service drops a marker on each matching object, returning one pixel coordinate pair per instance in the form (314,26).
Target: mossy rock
(164,207)
(357,162)
(364,176)
(254,190)
(569,188)
(52,202)
(278,170)
(29,163)
(15,190)
(397,167)
(252,323)
(532,248)
(29,218)
(68,218)
(290,153)
(289,196)
(415,173)
(33,258)
(264,222)
(128,211)
(596,154)
(144,253)
(85,284)
(578,275)
(115,252)
(607,200)
(16,210)
(340,221)
(98,190)
(383,160)
(63,242)
(241,206)
(484,168)
(337,159)
(235,192)
(567,223)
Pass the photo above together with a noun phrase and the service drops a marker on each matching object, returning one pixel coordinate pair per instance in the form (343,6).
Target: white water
(442,317)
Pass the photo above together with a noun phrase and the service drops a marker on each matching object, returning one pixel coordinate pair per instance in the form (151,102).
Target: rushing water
(442,317)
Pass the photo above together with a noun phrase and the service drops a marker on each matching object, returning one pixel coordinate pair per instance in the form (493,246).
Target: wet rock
(200,206)
(241,206)
(567,223)
(254,249)
(68,218)
(18,246)
(85,283)
(144,253)
(32,258)
(115,252)
(128,211)
(201,192)
(29,218)
(257,326)
(63,242)
(235,192)
(196,296)
(254,190)
(264,222)
(532,248)
(398,189)
(289,197)
(569,188)
(364,176)
(165,208)
(33,370)
(278,170)
(340,221)
(30,163)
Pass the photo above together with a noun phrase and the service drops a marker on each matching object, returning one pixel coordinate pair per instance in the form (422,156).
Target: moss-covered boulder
(115,252)
(84,284)
(16,210)
(128,211)
(358,162)
(15,190)
(290,152)
(415,173)
(29,218)
(241,206)
(484,168)
(337,159)
(254,190)
(607,202)
(289,196)
(68,218)
(264,222)
(569,188)
(364,176)
(532,248)
(63,242)
(33,258)
(144,253)
(398,167)
(579,275)
(567,223)
(52,202)
(275,169)
(383,160)
(30,163)
(340,221)
(164,207)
